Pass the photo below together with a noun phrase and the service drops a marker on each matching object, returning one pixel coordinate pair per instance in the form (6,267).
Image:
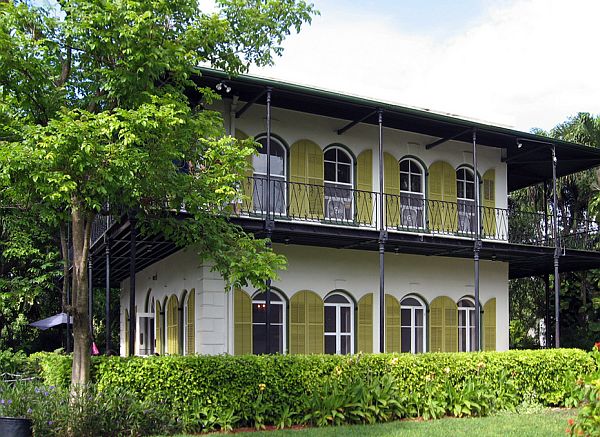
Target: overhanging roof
(526,165)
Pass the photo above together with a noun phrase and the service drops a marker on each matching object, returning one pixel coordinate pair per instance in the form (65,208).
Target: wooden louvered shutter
(306,323)
(190,345)
(364,185)
(443,325)
(159,329)
(126,333)
(391,187)
(306,193)
(442,208)
(172,326)
(489,204)
(242,322)
(489,325)
(392,324)
(248,181)
(365,324)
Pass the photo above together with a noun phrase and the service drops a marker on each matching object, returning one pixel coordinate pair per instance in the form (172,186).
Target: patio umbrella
(49,322)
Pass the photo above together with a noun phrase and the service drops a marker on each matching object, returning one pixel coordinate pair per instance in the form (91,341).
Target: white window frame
(274,177)
(146,347)
(411,192)
(341,185)
(413,327)
(466,201)
(338,334)
(469,318)
(283,324)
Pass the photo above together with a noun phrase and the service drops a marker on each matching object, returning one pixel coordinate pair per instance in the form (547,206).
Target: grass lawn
(543,422)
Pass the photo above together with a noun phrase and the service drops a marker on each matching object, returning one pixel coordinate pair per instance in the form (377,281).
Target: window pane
(406,340)
(345,325)
(462,340)
(259,313)
(258,339)
(276,339)
(343,157)
(472,332)
(405,165)
(468,175)
(336,298)
(276,313)
(466,303)
(259,163)
(410,302)
(330,155)
(418,317)
(330,344)
(404,182)
(263,295)
(415,183)
(419,340)
(405,317)
(330,319)
(330,171)
(344,173)
(460,189)
(470,190)
(346,344)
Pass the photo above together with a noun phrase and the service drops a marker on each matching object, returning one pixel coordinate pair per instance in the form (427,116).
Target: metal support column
(556,253)
(477,246)
(90,296)
(382,239)
(547,321)
(132,260)
(69,326)
(107,296)
(268,226)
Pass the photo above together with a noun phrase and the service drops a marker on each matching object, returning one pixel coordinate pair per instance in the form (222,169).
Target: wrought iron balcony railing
(340,205)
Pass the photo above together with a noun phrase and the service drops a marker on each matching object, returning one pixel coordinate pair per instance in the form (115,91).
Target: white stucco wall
(321,270)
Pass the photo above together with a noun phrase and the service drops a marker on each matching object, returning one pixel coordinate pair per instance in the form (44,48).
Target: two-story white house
(381,212)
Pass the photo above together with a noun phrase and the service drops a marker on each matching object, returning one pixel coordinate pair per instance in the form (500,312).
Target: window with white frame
(277,334)
(339,323)
(412,325)
(338,178)
(278,177)
(465,195)
(412,194)
(466,325)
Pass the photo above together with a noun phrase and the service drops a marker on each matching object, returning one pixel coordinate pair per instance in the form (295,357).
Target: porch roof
(527,156)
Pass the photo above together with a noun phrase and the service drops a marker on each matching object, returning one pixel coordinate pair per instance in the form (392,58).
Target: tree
(94,110)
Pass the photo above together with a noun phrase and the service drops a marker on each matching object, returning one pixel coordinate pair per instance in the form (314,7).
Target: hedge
(233,381)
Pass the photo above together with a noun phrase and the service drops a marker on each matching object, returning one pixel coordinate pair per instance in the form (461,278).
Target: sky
(519,63)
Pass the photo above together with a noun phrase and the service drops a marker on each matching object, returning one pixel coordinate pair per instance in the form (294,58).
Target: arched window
(189,325)
(412,194)
(466,325)
(277,335)
(172,316)
(465,197)
(278,177)
(412,325)
(339,323)
(339,179)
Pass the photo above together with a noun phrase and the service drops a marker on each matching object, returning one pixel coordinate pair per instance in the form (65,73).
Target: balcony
(408,213)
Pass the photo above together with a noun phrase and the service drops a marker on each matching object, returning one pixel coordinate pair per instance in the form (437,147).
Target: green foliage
(588,420)
(218,392)
(14,363)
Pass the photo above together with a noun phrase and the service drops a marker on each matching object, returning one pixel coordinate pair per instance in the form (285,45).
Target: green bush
(588,420)
(204,393)
(14,363)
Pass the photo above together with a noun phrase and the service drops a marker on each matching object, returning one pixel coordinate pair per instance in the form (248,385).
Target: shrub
(587,422)
(14,363)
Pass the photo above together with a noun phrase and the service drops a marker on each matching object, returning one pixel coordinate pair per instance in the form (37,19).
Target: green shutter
(191,325)
(489,325)
(306,323)
(247,182)
(392,324)
(364,184)
(306,167)
(441,207)
(489,204)
(158,346)
(242,323)
(365,323)
(391,187)
(173,325)
(126,333)
(443,325)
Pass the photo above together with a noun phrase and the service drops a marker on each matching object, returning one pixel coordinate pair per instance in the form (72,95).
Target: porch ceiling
(527,165)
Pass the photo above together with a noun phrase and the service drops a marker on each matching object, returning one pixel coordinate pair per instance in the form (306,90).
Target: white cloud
(525,63)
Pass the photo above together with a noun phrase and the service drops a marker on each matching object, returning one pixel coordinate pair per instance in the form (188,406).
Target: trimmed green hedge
(233,381)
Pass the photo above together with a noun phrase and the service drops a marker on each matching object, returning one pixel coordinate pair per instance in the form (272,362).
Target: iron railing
(340,205)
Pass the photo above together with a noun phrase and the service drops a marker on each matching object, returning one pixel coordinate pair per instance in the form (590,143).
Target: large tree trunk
(81,223)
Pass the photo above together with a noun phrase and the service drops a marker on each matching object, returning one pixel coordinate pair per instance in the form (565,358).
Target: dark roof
(527,165)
